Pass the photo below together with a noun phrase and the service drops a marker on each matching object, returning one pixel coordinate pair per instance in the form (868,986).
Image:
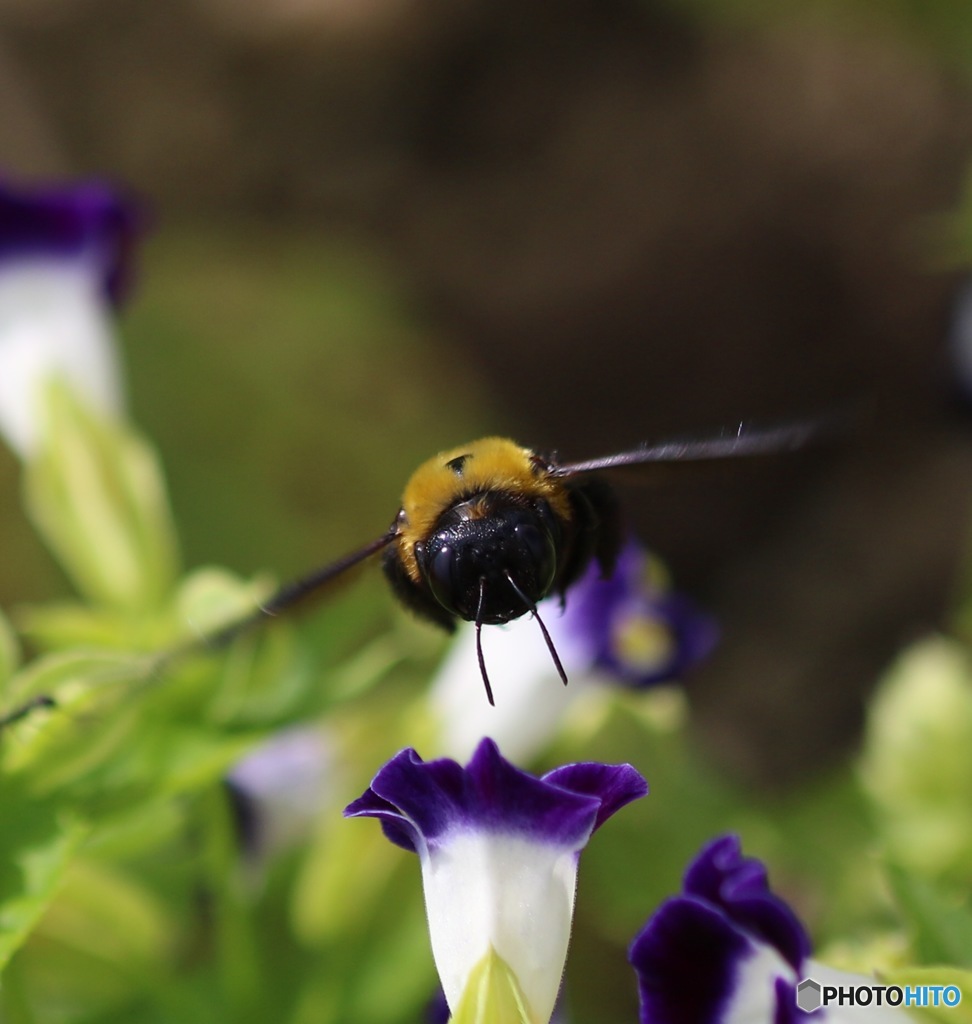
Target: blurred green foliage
(290,389)
(126,889)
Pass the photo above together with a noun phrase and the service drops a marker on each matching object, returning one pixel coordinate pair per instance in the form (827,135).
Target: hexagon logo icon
(808,995)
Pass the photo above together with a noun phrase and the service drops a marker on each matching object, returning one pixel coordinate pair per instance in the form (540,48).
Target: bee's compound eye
(441,567)
(535,553)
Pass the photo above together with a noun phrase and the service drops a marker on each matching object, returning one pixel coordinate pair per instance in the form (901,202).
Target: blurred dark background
(384,226)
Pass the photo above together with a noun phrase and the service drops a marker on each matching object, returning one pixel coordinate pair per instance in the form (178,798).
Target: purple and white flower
(64,263)
(498,849)
(632,626)
(628,630)
(729,951)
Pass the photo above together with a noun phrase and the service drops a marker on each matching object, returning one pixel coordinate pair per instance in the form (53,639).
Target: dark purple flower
(729,950)
(499,850)
(87,219)
(632,626)
(726,941)
(65,257)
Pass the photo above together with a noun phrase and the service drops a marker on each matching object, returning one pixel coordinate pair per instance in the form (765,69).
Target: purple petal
(419,803)
(738,886)
(728,943)
(694,633)
(85,219)
(687,959)
(422,796)
(613,784)
(437,1009)
(591,601)
(787,1011)
(598,609)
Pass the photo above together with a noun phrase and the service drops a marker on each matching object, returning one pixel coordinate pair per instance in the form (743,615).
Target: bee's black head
(491,557)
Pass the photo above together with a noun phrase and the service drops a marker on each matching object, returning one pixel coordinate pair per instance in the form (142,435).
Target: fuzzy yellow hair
(490,464)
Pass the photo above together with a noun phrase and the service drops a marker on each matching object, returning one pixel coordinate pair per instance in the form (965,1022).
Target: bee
(487,530)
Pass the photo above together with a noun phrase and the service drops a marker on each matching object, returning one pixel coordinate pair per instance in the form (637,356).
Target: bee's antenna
(543,629)
(479,641)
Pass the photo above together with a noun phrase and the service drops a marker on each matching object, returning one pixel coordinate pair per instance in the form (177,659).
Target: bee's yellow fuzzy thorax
(490,464)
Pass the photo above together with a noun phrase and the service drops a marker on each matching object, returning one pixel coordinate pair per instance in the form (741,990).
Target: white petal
(54,322)
(504,892)
(754,998)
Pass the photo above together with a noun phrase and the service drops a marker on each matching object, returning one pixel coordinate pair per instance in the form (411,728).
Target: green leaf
(79,683)
(57,625)
(492,996)
(96,495)
(347,876)
(37,841)
(104,912)
(239,964)
(941,928)
(262,676)
(397,971)
(193,758)
(916,768)
(211,597)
